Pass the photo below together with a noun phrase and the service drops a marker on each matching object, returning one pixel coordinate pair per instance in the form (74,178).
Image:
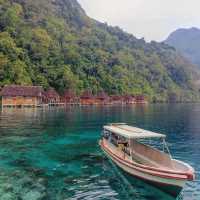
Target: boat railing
(149,153)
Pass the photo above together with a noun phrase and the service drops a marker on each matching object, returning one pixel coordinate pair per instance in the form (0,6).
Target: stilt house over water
(51,96)
(116,99)
(87,98)
(21,96)
(140,99)
(129,99)
(69,97)
(102,98)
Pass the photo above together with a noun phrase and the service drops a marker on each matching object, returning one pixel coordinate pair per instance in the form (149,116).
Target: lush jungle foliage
(54,43)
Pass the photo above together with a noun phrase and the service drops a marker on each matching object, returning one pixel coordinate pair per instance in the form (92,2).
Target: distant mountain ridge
(53,43)
(187,41)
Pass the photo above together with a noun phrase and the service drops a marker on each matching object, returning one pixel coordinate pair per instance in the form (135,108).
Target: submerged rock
(33,195)
(37,171)
(26,181)
(22,185)
(8,187)
(7,196)
(42,181)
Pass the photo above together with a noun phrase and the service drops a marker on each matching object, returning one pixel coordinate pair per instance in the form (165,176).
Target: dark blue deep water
(53,154)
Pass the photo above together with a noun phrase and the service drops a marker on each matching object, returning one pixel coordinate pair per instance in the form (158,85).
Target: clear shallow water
(53,154)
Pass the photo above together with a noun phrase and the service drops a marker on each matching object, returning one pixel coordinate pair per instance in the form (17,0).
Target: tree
(8,46)
(18,74)
(3,65)
(11,18)
(41,42)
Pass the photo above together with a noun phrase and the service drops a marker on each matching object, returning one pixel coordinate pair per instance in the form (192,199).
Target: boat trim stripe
(131,165)
(154,182)
(189,173)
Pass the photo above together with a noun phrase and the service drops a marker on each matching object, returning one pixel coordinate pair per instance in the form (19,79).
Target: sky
(151,19)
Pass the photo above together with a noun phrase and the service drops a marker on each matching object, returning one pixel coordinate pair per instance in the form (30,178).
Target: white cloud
(151,19)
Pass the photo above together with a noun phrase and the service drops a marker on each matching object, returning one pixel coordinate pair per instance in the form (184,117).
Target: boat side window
(114,139)
(124,145)
(106,134)
(159,144)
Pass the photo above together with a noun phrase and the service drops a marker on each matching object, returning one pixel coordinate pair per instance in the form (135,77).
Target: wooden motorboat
(125,146)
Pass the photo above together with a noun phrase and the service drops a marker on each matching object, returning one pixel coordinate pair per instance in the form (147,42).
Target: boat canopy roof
(132,132)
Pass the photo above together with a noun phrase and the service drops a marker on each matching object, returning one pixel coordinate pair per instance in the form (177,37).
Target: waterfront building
(116,99)
(140,99)
(87,98)
(21,96)
(102,98)
(129,99)
(51,97)
(69,97)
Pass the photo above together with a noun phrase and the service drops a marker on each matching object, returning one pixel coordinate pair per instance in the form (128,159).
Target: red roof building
(69,97)
(140,99)
(15,95)
(51,96)
(116,99)
(129,99)
(102,98)
(87,98)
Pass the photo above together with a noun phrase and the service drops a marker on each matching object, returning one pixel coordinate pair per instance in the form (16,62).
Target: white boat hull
(171,186)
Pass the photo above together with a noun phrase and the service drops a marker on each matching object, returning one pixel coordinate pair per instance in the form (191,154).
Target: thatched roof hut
(24,91)
(87,98)
(102,96)
(140,98)
(87,94)
(116,99)
(51,96)
(129,99)
(69,94)
(18,96)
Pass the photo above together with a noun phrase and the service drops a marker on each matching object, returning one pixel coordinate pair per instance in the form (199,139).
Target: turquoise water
(53,154)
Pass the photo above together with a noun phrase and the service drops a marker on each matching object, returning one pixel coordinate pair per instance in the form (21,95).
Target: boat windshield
(159,144)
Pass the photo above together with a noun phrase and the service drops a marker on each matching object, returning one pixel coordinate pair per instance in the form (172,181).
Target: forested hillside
(187,41)
(54,43)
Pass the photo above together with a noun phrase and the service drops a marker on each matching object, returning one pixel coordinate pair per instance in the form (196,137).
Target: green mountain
(187,41)
(54,43)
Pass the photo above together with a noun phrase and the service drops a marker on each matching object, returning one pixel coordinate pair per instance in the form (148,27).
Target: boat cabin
(134,143)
